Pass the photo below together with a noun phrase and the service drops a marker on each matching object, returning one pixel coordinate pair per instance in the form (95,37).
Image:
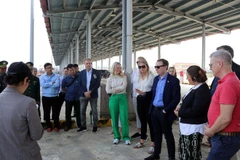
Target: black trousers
(143,104)
(48,103)
(76,105)
(162,125)
(61,98)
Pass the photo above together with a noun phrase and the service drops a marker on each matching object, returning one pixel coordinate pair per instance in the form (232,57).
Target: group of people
(20,122)
(202,111)
(213,112)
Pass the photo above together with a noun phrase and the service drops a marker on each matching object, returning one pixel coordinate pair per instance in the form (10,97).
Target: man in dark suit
(166,96)
(3,68)
(33,89)
(89,84)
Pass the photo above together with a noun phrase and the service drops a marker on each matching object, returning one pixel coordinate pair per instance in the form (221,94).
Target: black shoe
(171,158)
(135,135)
(152,157)
(82,129)
(95,129)
(66,129)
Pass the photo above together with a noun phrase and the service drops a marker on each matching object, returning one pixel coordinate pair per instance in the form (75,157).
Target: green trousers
(118,106)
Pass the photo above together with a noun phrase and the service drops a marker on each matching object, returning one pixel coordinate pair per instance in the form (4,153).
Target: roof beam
(102,7)
(190,17)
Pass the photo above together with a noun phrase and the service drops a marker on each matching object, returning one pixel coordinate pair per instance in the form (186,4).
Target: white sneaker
(115,141)
(127,142)
(151,150)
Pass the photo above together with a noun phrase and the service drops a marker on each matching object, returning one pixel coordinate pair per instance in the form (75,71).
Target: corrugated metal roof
(172,21)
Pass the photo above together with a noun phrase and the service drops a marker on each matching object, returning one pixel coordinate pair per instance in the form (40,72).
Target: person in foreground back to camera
(19,120)
(224,110)
(166,96)
(118,104)
(192,114)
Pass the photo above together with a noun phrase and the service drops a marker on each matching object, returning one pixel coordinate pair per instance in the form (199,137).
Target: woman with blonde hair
(118,104)
(172,71)
(144,96)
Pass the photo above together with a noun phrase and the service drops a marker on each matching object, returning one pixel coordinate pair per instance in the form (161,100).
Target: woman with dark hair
(192,114)
(19,120)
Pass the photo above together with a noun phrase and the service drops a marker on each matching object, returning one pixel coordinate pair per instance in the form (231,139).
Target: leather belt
(228,133)
(158,108)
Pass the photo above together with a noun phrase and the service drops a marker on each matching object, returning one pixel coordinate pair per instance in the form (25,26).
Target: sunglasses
(141,67)
(157,67)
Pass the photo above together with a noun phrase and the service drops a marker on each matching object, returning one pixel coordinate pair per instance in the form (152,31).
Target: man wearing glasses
(166,96)
(224,110)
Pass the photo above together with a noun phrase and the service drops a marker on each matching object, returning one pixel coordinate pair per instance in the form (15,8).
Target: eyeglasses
(142,67)
(211,64)
(157,67)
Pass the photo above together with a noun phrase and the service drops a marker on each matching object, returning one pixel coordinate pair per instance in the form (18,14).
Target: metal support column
(77,49)
(109,64)
(96,64)
(120,59)
(159,48)
(127,35)
(71,51)
(32,32)
(101,63)
(88,35)
(134,58)
(203,46)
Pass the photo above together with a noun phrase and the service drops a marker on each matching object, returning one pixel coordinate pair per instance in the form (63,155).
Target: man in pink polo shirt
(224,110)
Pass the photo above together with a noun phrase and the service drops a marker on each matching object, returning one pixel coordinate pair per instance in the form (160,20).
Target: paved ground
(98,146)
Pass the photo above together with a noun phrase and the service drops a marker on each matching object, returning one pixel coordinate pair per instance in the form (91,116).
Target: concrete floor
(72,145)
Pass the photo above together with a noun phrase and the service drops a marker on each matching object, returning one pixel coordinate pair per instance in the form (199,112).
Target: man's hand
(88,94)
(208,132)
(53,82)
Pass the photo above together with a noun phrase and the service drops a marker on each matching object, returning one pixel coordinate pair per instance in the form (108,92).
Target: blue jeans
(83,103)
(223,147)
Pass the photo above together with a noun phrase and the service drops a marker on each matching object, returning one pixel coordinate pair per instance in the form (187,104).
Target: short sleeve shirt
(227,92)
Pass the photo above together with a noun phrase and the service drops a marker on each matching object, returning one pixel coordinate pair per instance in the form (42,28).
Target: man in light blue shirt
(166,96)
(50,88)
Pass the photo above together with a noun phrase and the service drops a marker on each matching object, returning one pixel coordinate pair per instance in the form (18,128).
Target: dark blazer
(236,69)
(171,95)
(33,89)
(94,84)
(20,127)
(195,106)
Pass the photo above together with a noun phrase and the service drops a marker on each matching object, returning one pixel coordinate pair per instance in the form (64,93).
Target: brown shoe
(56,129)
